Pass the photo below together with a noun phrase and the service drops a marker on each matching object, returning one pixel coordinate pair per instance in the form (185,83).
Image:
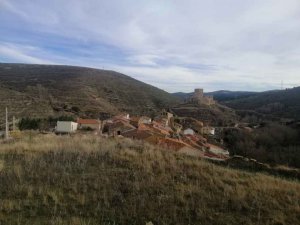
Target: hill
(220,96)
(89,180)
(214,115)
(285,103)
(47,90)
(230,95)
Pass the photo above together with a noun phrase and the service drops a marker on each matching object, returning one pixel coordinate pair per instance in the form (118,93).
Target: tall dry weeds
(89,180)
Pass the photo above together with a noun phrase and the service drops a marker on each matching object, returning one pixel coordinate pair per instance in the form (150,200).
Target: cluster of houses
(162,131)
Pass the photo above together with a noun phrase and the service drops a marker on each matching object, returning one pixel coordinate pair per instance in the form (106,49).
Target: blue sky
(172,44)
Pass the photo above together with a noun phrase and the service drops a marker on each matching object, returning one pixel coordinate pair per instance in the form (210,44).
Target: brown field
(88,180)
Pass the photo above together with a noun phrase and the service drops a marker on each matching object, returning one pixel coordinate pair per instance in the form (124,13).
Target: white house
(189,131)
(66,127)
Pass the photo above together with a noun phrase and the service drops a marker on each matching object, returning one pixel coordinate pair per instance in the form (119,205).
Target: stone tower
(199,98)
(198,94)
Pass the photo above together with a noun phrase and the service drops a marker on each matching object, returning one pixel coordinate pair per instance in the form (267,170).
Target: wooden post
(6,124)
(14,123)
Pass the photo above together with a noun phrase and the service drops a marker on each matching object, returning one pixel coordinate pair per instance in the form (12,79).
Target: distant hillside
(220,96)
(284,103)
(181,95)
(44,90)
(230,95)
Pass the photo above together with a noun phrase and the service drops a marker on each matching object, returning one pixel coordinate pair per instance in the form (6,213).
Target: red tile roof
(173,143)
(88,121)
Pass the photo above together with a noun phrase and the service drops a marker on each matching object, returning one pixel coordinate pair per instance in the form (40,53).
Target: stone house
(117,127)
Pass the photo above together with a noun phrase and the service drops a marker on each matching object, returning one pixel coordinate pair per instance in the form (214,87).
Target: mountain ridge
(221,95)
(276,103)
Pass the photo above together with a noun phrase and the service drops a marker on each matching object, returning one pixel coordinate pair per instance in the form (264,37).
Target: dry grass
(88,180)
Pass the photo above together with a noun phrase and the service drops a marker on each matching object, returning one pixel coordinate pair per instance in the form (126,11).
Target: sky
(175,45)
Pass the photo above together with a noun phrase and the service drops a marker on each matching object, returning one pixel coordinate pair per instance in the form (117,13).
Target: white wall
(66,126)
(188,131)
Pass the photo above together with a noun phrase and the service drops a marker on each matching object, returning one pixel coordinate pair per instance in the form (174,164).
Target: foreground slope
(87,180)
(43,90)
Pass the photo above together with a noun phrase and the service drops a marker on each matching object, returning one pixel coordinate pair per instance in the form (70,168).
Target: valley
(85,125)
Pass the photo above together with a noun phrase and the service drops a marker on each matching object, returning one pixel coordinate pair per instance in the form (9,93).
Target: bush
(29,124)
(272,143)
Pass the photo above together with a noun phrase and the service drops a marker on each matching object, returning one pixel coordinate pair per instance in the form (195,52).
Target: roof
(196,138)
(66,122)
(215,147)
(192,143)
(88,121)
(173,143)
(122,117)
(162,131)
(120,123)
(143,127)
(138,134)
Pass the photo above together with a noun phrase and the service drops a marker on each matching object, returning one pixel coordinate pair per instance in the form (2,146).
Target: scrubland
(47,179)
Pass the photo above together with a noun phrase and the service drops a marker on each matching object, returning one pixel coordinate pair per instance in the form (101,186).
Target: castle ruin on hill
(199,98)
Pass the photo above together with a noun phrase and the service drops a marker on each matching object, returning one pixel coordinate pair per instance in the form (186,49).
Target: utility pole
(14,123)
(6,124)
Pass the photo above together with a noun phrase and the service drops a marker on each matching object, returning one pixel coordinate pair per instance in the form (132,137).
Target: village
(164,130)
(184,135)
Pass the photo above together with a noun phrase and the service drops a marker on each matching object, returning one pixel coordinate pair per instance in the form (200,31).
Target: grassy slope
(63,180)
(42,90)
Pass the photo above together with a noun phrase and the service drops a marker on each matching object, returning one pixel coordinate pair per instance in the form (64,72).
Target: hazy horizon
(174,45)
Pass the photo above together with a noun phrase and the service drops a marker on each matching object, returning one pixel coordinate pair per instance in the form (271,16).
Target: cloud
(20,54)
(175,45)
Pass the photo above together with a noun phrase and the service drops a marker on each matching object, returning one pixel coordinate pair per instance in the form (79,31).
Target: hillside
(214,115)
(44,90)
(220,96)
(285,103)
(89,180)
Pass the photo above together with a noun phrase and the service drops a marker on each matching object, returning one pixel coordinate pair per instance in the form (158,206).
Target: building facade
(66,127)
